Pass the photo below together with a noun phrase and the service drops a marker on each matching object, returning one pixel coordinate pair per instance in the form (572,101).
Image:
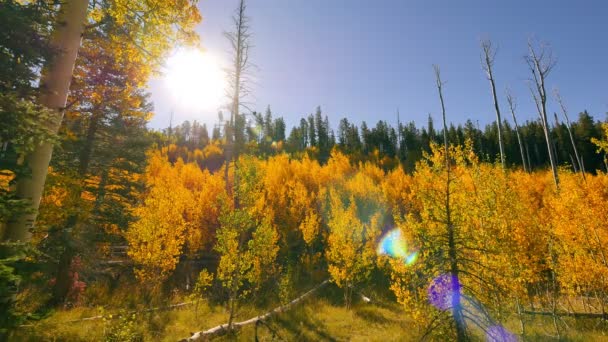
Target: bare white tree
(579,159)
(238,77)
(540,61)
(487,61)
(240,72)
(512,107)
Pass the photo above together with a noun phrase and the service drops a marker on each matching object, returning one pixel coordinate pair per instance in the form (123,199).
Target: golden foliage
(180,214)
(512,230)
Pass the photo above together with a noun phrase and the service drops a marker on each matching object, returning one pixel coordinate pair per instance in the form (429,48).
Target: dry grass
(319,318)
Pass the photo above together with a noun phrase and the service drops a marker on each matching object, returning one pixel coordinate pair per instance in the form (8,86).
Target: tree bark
(55,84)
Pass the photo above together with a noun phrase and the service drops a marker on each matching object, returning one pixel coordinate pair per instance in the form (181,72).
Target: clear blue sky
(363,59)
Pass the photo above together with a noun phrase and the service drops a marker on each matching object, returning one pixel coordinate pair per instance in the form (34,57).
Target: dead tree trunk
(512,107)
(579,159)
(240,41)
(541,63)
(55,83)
(487,62)
(456,304)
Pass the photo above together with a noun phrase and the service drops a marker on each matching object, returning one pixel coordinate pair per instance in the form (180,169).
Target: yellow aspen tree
(156,239)
(351,253)
(356,217)
(488,243)
(247,249)
(579,214)
(180,214)
(202,206)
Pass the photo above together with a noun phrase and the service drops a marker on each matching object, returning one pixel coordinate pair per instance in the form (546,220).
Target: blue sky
(364,59)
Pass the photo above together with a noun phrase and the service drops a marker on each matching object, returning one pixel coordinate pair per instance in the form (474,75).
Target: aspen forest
(125,216)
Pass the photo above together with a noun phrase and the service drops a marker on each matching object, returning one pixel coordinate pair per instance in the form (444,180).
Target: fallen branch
(223,328)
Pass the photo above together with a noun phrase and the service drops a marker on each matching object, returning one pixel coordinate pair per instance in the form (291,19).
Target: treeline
(403,144)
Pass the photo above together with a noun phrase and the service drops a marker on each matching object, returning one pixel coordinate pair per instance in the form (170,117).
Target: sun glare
(195,79)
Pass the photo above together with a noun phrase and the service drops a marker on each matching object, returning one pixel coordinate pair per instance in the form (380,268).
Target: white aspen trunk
(55,83)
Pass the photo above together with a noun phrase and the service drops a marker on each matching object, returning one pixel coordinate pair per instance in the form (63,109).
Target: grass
(320,318)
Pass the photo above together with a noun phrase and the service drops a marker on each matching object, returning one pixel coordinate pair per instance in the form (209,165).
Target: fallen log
(224,328)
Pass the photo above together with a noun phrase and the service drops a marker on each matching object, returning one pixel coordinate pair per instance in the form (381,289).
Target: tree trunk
(528,157)
(574,168)
(63,278)
(87,149)
(550,148)
(456,304)
(521,149)
(55,84)
(522,325)
(231,305)
(579,159)
(511,102)
(540,66)
(488,57)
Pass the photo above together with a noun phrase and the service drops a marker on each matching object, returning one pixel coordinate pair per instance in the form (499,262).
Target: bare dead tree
(579,159)
(540,61)
(487,61)
(512,107)
(240,44)
(456,301)
(238,76)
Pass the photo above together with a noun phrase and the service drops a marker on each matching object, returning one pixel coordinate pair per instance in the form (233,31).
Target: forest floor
(320,318)
(315,320)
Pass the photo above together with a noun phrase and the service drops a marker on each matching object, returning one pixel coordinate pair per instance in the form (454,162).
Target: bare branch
(540,61)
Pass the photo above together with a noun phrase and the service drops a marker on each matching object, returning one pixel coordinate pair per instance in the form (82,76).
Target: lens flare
(411,258)
(393,245)
(498,333)
(441,294)
(441,291)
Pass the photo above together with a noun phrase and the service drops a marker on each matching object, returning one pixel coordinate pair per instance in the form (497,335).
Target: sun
(195,79)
